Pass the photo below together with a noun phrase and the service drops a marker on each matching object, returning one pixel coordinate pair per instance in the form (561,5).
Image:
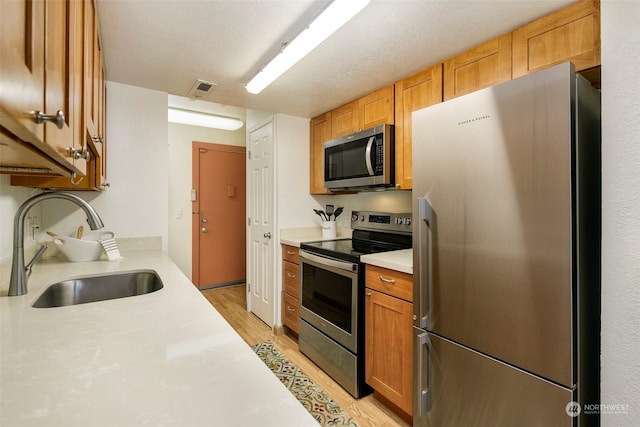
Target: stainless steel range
(332,294)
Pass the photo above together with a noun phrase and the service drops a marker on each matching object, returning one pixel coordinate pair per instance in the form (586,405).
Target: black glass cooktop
(362,243)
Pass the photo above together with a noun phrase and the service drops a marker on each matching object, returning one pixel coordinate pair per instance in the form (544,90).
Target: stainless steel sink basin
(99,288)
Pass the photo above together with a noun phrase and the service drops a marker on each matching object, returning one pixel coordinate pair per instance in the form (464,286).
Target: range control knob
(361,218)
(406,221)
(354,217)
(398,220)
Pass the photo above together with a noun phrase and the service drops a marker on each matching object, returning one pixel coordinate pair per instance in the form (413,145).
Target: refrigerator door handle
(422,395)
(425,228)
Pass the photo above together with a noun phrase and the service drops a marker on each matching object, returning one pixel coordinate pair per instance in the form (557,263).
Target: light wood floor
(231,303)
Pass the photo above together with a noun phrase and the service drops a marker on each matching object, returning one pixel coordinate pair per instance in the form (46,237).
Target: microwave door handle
(368,155)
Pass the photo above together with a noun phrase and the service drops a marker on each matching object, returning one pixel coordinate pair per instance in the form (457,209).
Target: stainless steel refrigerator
(506,241)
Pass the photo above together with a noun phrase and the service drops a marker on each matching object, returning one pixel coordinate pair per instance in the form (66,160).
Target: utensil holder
(328,229)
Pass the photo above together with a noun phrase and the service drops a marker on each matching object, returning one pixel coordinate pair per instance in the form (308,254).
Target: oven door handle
(348,266)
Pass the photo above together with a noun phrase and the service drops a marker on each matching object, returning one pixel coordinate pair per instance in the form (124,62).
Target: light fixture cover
(333,17)
(198,118)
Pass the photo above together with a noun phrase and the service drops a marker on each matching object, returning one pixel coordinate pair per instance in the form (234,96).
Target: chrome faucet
(20,272)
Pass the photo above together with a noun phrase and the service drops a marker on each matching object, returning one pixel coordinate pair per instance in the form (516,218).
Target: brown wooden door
(218,227)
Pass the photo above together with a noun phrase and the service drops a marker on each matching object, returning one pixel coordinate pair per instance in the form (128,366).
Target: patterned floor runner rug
(311,396)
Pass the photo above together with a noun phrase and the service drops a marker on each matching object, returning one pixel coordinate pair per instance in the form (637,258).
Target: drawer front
(290,278)
(390,282)
(290,312)
(290,253)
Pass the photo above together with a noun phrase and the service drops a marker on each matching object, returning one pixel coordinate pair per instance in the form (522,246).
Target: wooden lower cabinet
(290,294)
(388,338)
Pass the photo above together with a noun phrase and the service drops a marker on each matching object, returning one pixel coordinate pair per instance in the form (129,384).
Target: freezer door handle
(425,233)
(422,393)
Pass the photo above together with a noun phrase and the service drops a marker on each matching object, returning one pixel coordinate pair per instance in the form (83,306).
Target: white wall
(135,204)
(180,184)
(620,23)
(10,200)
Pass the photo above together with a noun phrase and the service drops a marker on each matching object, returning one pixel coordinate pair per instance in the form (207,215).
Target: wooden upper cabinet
(22,45)
(344,120)
(320,128)
(482,66)
(413,93)
(86,106)
(570,34)
(39,65)
(371,110)
(376,108)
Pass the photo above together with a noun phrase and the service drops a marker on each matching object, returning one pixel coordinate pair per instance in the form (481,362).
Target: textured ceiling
(166,45)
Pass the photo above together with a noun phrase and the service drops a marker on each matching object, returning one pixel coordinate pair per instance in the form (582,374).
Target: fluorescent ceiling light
(333,17)
(197,118)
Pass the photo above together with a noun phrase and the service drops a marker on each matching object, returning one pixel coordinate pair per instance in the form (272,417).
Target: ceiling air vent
(201,88)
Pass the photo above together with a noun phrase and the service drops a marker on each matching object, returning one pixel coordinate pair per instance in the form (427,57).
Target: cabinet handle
(58,119)
(291,275)
(368,294)
(290,309)
(385,280)
(290,252)
(79,154)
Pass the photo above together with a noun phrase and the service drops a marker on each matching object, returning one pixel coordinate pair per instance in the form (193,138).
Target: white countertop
(165,358)
(401,260)
(295,236)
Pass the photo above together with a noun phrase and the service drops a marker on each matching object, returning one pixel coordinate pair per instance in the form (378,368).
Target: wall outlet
(178,213)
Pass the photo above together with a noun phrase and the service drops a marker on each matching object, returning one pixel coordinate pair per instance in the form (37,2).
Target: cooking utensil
(329,211)
(52,234)
(80,232)
(321,214)
(337,213)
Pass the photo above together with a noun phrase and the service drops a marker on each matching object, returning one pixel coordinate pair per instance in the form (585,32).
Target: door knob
(204,229)
(267,235)
(204,220)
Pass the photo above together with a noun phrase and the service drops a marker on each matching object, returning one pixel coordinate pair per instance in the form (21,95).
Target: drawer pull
(385,280)
(290,309)
(292,276)
(290,252)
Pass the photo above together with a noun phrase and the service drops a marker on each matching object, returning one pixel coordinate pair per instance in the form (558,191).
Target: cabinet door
(22,44)
(389,348)
(570,34)
(413,93)
(59,82)
(376,108)
(482,66)
(344,120)
(320,132)
(290,314)
(290,278)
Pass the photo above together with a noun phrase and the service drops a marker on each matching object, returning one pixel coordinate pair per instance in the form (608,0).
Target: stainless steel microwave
(360,161)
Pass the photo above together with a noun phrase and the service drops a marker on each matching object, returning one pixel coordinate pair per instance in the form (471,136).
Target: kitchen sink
(82,290)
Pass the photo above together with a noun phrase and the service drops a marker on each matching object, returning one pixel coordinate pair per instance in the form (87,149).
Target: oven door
(329,297)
